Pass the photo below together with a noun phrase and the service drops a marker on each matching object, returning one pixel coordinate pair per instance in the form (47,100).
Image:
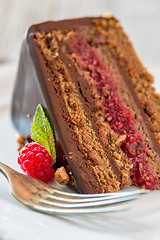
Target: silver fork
(46,199)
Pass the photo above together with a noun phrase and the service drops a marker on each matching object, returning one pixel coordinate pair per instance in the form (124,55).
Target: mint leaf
(42,132)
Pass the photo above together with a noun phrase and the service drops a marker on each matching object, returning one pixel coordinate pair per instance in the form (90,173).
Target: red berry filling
(36,162)
(60,156)
(120,118)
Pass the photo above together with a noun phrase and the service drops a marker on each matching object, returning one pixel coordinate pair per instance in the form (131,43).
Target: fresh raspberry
(36,162)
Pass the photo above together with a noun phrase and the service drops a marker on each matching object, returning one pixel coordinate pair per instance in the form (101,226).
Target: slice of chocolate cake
(105,111)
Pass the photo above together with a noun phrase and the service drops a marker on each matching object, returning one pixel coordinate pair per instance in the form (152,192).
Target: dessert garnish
(37,158)
(61,176)
(20,141)
(42,131)
(36,161)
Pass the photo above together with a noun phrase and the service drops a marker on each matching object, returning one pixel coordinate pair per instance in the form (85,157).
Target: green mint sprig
(42,132)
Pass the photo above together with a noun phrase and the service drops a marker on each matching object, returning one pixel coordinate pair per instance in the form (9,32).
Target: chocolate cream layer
(105,122)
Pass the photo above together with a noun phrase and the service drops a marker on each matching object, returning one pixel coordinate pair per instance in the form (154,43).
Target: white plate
(17,222)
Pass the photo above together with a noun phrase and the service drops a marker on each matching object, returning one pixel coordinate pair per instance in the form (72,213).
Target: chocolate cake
(105,112)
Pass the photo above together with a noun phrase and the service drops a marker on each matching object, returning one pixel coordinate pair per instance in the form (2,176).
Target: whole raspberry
(36,162)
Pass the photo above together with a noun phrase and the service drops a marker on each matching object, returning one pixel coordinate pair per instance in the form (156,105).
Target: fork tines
(59,202)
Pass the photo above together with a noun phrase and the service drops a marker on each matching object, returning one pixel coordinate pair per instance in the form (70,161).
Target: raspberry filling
(118,116)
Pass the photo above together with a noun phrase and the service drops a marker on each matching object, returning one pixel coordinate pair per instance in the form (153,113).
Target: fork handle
(5,170)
